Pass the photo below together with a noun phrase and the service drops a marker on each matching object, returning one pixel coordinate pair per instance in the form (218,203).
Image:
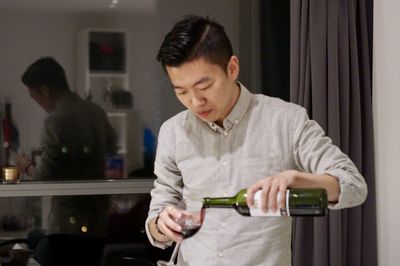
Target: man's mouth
(204,113)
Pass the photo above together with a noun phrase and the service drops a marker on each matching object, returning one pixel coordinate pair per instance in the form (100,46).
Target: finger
(169,217)
(166,229)
(282,192)
(272,196)
(264,202)
(250,193)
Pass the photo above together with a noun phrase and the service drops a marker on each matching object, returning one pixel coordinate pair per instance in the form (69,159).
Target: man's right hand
(167,224)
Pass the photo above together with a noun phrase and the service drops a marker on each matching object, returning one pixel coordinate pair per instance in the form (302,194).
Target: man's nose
(198,100)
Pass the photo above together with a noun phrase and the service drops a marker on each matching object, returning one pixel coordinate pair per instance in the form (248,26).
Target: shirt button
(236,121)
(223,225)
(224,163)
(220,254)
(225,133)
(225,194)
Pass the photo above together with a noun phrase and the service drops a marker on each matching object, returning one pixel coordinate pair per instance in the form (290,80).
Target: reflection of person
(229,139)
(75,141)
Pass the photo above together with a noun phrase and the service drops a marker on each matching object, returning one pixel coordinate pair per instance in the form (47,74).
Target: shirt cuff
(352,190)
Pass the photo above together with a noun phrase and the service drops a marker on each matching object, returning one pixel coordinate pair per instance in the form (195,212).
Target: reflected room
(63,189)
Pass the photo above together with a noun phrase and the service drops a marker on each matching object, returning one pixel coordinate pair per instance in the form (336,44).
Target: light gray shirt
(260,137)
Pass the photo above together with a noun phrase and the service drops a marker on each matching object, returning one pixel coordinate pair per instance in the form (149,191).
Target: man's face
(42,97)
(206,89)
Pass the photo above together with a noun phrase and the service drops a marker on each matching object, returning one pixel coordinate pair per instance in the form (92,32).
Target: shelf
(66,188)
(95,74)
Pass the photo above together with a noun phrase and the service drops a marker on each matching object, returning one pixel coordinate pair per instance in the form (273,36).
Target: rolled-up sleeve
(315,153)
(168,185)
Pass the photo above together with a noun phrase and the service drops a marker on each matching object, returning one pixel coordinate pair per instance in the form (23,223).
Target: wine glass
(190,222)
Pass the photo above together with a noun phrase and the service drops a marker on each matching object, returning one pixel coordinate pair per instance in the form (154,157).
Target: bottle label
(256,209)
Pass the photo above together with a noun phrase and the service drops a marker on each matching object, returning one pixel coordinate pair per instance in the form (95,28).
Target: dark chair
(130,261)
(67,250)
(133,254)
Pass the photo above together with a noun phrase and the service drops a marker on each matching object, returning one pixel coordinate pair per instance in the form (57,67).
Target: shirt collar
(238,111)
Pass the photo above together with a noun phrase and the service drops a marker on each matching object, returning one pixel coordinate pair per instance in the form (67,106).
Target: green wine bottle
(299,202)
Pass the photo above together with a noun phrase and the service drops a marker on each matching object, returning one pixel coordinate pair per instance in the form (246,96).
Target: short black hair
(195,37)
(46,71)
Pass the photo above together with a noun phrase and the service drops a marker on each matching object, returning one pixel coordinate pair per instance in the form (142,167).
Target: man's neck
(60,96)
(235,97)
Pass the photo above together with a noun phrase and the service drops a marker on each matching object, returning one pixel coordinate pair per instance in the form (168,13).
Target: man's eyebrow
(201,80)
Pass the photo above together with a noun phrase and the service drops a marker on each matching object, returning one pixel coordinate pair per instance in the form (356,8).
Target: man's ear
(233,68)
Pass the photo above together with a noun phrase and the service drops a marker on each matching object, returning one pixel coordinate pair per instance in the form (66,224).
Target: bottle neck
(225,202)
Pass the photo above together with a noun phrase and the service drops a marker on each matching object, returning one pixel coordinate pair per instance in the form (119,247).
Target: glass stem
(174,254)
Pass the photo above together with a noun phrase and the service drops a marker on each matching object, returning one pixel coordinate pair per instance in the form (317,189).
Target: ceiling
(79,5)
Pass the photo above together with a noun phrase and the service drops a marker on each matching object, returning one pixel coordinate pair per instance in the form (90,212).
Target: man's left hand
(270,186)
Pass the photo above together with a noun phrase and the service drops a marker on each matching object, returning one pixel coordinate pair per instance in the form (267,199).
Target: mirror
(47,28)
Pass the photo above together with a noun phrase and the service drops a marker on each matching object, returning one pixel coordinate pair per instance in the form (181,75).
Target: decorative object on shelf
(121,99)
(10,175)
(115,167)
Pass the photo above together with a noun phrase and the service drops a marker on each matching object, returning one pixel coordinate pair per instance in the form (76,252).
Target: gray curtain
(331,76)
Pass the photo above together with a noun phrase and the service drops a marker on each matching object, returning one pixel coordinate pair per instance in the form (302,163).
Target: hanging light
(114,3)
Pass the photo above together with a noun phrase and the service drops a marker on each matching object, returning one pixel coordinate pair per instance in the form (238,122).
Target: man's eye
(180,92)
(205,88)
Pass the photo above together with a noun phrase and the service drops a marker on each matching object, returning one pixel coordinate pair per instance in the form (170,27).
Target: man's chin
(205,119)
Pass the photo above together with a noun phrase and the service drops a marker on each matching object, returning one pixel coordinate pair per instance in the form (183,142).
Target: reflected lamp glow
(84,229)
(114,3)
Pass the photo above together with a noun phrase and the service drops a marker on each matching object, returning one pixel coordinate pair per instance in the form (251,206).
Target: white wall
(32,34)
(386,97)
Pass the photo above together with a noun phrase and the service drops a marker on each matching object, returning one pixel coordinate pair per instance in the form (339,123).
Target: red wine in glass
(189,231)
(191,224)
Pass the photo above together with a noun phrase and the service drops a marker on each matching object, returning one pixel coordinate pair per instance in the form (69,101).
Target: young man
(230,139)
(75,141)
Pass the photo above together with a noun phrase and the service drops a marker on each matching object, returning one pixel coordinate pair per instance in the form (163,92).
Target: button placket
(225,162)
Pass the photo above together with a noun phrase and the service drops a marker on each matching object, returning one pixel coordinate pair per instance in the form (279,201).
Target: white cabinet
(103,77)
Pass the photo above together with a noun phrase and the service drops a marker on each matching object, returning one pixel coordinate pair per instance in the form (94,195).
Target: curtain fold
(330,76)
